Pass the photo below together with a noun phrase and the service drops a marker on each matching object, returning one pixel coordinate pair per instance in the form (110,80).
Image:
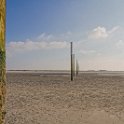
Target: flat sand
(35,98)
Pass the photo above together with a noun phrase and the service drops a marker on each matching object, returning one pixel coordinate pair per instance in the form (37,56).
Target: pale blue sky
(39,31)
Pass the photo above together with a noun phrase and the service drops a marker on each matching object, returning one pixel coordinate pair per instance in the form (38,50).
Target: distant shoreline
(67,70)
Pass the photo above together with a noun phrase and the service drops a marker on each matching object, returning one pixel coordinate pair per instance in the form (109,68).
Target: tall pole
(71,61)
(2,60)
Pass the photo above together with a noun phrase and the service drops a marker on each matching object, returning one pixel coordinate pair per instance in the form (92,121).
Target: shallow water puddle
(102,117)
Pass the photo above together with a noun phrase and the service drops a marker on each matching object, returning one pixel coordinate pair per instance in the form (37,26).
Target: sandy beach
(37,98)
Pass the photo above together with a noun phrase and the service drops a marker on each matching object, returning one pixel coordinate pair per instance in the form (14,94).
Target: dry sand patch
(46,99)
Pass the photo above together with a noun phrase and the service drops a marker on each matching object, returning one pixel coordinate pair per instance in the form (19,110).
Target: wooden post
(2,60)
(71,61)
(77,68)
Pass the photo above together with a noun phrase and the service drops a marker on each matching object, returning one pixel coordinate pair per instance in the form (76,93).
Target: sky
(39,32)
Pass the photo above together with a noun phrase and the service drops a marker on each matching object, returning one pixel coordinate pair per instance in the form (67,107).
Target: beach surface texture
(51,98)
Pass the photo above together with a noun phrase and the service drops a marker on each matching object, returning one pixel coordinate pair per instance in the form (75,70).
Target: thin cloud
(45,37)
(120,44)
(113,29)
(87,52)
(101,32)
(32,45)
(98,33)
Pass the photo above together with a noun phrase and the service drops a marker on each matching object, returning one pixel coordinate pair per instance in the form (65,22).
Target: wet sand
(35,98)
